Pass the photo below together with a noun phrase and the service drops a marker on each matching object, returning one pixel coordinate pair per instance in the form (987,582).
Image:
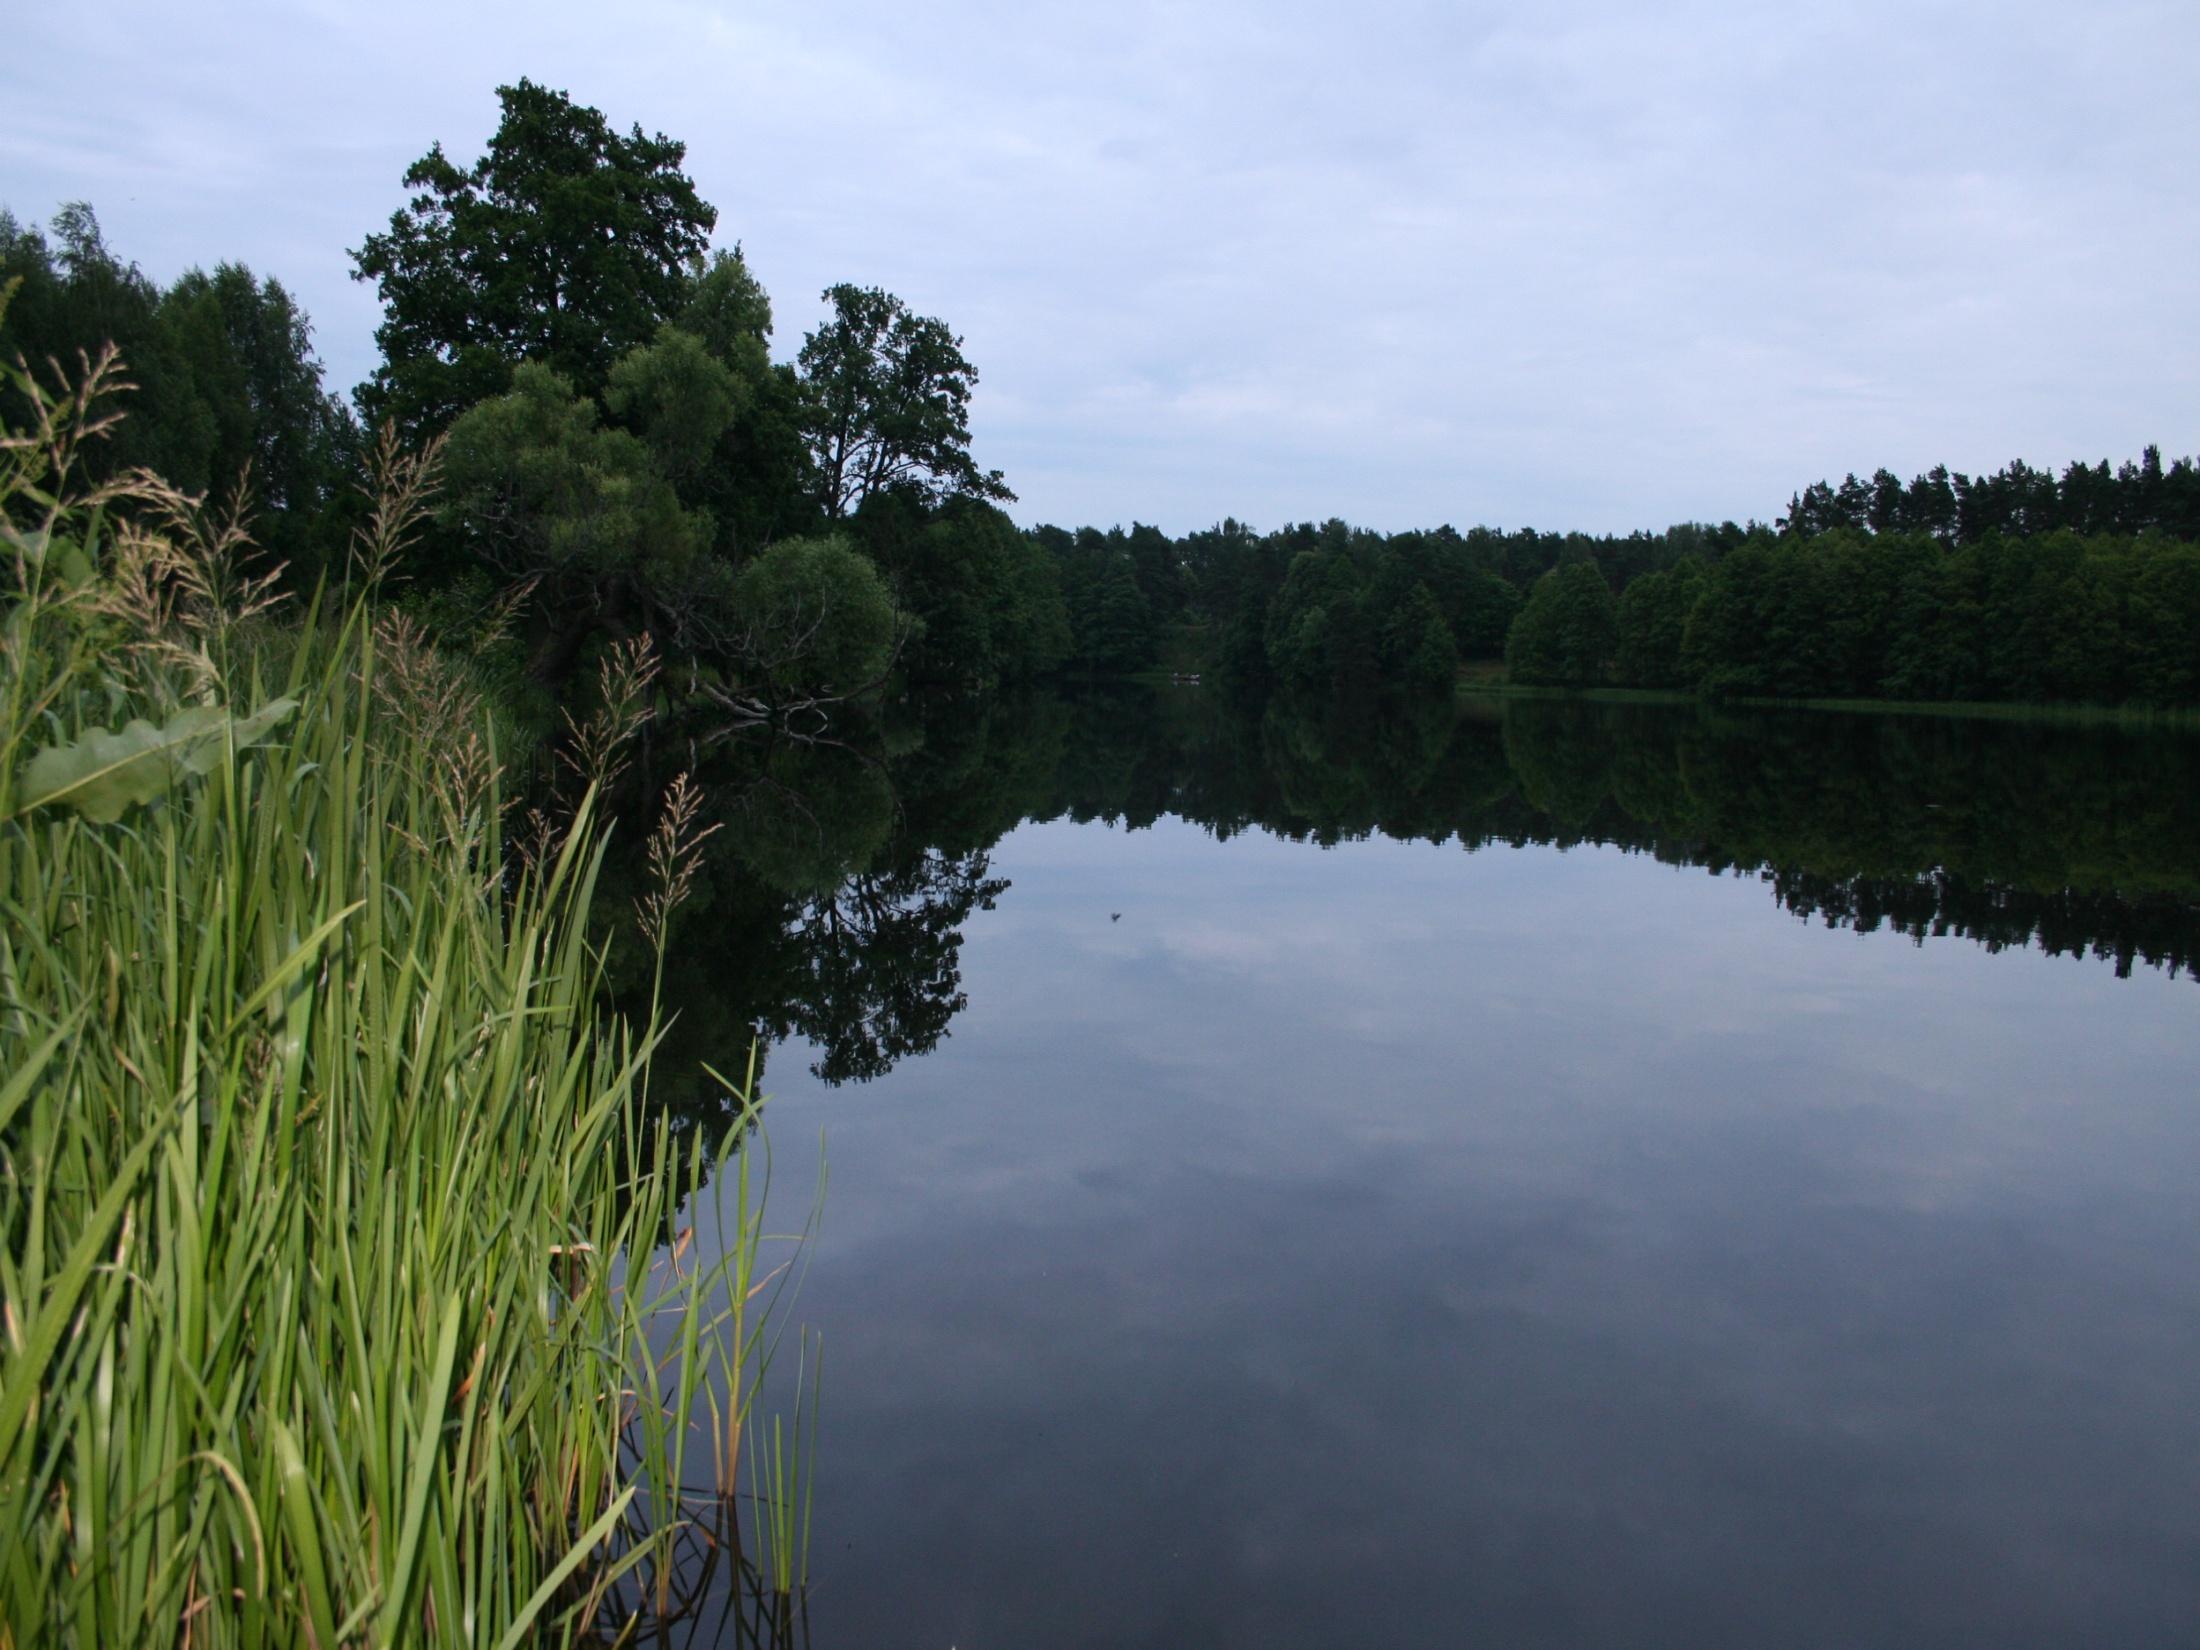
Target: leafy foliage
(1567,631)
(539,490)
(566,243)
(1651,622)
(817,619)
(987,600)
(886,405)
(102,775)
(1904,616)
(225,391)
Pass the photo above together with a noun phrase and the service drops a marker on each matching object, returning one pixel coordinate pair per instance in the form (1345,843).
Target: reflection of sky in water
(1395,1244)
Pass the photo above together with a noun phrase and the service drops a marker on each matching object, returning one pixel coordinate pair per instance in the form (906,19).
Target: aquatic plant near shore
(339,1299)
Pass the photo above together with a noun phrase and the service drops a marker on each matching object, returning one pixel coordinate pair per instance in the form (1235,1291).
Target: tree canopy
(565,243)
(1566,632)
(887,405)
(625,454)
(226,389)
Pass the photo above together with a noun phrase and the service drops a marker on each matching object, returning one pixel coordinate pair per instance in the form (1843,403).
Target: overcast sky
(1598,265)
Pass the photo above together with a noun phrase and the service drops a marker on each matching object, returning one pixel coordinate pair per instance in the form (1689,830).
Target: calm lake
(1569,1175)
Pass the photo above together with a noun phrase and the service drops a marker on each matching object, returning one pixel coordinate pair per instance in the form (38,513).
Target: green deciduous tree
(565,243)
(1566,632)
(1417,653)
(226,382)
(679,398)
(1121,627)
(2164,625)
(756,483)
(1318,636)
(536,488)
(816,621)
(1486,608)
(1651,618)
(985,596)
(886,405)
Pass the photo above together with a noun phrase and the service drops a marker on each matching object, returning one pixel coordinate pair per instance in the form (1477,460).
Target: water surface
(1578,1177)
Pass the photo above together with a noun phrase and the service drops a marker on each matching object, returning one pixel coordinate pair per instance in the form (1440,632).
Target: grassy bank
(2080,715)
(344,1296)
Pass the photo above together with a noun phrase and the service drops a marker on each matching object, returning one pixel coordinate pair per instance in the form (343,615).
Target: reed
(343,1293)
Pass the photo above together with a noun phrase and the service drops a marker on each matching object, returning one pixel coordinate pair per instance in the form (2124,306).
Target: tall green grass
(343,1295)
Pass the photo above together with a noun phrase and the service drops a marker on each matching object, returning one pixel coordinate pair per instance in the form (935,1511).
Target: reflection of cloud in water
(1575,1243)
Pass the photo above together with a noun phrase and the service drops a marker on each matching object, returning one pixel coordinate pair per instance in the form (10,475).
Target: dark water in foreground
(1739,1184)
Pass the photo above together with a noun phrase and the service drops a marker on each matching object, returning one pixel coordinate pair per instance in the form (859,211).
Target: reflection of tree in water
(2155,929)
(878,971)
(2076,841)
(835,900)
(822,913)
(803,820)
(870,911)
(2072,840)
(1349,772)
(1568,777)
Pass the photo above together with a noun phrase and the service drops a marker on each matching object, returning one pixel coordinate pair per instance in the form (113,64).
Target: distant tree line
(2012,587)
(1901,615)
(226,383)
(2015,502)
(1324,611)
(622,455)
(2009,587)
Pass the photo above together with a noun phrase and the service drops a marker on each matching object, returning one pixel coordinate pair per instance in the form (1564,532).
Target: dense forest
(621,456)
(2013,587)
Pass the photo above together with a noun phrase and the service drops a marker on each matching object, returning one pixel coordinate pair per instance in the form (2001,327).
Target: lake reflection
(1311,1233)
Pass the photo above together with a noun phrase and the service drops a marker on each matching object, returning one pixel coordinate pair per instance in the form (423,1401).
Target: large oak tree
(565,243)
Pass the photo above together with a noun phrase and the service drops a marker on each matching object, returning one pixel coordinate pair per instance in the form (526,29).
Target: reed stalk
(341,1293)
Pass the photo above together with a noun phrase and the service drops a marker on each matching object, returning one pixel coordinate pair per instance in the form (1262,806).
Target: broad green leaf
(103,773)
